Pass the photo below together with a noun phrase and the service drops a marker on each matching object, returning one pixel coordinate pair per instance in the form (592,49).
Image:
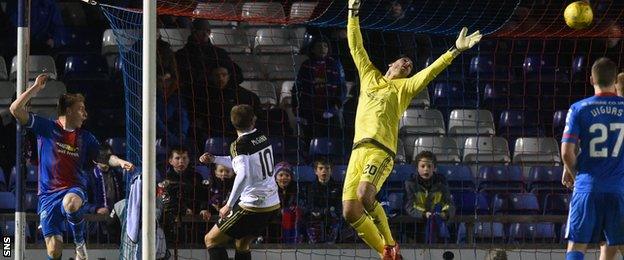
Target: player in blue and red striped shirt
(65,153)
(596,126)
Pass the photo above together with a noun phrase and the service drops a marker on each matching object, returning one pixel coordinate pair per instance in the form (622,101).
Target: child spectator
(105,183)
(221,182)
(428,197)
(324,205)
(291,225)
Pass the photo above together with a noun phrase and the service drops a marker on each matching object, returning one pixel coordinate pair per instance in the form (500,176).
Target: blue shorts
(51,211)
(595,217)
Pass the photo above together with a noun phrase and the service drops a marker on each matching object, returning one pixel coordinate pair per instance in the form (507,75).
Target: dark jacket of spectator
(105,189)
(423,195)
(45,19)
(219,192)
(184,191)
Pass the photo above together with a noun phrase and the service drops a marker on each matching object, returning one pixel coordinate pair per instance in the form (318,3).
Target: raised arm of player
(18,107)
(240,165)
(115,161)
(207,158)
(421,79)
(356,45)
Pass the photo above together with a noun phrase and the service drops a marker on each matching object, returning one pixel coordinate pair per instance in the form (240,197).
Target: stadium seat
(4,75)
(204,171)
(556,204)
(304,174)
(541,150)
(7,91)
(7,202)
(301,11)
(281,67)
(501,179)
(49,95)
(118,146)
(486,150)
(559,120)
(85,67)
(444,148)
(421,100)
(274,40)
(393,204)
(339,172)
(37,64)
(515,203)
(218,146)
(402,173)
(471,122)
(454,95)
(3,181)
(32,174)
(252,70)
(502,96)
(73,14)
(177,37)
(218,10)
(459,177)
(265,91)
(421,121)
(579,67)
(125,37)
(470,203)
(400,154)
(514,123)
(261,13)
(489,231)
(230,39)
(73,39)
(325,147)
(532,233)
(543,68)
(8,228)
(546,179)
(486,68)
(30,201)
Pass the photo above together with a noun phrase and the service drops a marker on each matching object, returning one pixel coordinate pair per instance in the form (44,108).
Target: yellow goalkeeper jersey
(382,101)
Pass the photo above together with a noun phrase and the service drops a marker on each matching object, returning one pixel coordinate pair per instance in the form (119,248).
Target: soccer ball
(578,15)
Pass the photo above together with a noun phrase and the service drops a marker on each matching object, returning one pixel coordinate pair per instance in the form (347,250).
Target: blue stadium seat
(579,67)
(85,67)
(458,177)
(75,39)
(546,179)
(454,95)
(485,67)
(515,123)
(556,204)
(32,178)
(503,96)
(32,174)
(3,182)
(339,172)
(543,68)
(469,203)
(218,146)
(402,173)
(8,229)
(7,202)
(304,174)
(559,118)
(394,204)
(487,232)
(501,178)
(118,145)
(204,171)
(327,147)
(532,233)
(515,203)
(30,202)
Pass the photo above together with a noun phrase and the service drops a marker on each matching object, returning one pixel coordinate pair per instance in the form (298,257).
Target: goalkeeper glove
(466,42)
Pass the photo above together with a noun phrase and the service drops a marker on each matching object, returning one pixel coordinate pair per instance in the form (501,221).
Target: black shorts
(242,223)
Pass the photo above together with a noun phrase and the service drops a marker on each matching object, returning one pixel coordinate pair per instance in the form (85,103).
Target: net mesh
(493,118)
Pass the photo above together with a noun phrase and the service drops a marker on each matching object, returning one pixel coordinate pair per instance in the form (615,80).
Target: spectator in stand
(172,120)
(496,254)
(292,222)
(195,63)
(182,192)
(324,215)
(45,19)
(105,185)
(428,198)
(221,183)
(223,94)
(320,91)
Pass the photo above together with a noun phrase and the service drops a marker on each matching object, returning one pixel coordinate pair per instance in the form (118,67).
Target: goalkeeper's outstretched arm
(356,45)
(419,81)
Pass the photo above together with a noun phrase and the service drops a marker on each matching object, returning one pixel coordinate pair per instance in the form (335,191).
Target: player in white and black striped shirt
(254,188)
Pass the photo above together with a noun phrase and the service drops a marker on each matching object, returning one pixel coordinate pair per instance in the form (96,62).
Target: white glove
(466,42)
(354,7)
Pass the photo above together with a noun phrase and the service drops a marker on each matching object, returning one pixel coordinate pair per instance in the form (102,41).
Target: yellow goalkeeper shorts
(368,163)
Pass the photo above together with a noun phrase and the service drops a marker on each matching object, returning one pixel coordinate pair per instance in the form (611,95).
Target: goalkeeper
(382,101)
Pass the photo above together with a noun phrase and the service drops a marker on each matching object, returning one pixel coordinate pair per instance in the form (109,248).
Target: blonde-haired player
(382,101)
